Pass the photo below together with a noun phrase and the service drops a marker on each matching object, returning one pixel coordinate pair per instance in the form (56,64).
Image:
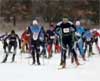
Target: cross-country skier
(87,37)
(80,43)
(35,37)
(67,28)
(43,42)
(25,39)
(96,35)
(12,37)
(50,37)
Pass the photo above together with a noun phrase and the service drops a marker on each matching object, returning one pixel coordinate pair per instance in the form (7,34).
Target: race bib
(88,39)
(41,38)
(52,37)
(77,34)
(66,30)
(12,40)
(35,35)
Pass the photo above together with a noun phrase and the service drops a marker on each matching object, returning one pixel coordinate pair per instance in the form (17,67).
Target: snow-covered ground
(22,70)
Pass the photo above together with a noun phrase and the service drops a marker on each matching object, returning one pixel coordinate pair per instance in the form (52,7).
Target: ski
(61,68)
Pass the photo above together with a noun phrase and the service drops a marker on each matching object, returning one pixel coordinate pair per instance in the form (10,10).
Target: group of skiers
(65,36)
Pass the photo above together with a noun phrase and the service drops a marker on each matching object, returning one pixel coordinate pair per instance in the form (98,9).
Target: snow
(22,70)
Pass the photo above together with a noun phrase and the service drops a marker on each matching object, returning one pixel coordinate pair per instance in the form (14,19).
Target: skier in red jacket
(96,35)
(25,41)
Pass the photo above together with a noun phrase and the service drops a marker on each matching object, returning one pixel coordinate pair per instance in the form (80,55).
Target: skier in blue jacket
(35,38)
(80,43)
(88,41)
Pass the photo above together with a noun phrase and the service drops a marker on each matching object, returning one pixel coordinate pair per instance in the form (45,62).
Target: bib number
(66,30)
(52,37)
(88,39)
(12,39)
(35,35)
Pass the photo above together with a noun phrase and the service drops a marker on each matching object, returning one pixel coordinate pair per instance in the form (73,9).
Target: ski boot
(38,63)
(5,59)
(83,57)
(77,63)
(49,56)
(63,65)
(13,58)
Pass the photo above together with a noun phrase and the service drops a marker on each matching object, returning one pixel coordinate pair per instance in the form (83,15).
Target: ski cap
(34,22)
(13,31)
(77,23)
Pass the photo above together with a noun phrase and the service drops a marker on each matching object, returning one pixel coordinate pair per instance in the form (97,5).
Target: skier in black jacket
(67,31)
(12,37)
